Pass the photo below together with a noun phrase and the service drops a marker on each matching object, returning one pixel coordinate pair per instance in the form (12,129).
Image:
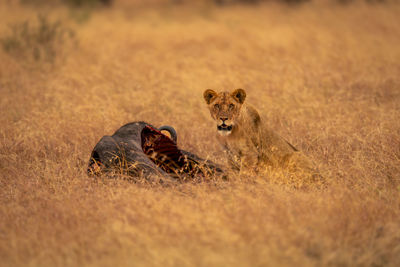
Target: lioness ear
(209,95)
(239,95)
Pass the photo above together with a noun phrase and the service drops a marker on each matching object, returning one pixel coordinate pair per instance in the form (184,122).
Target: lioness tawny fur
(249,143)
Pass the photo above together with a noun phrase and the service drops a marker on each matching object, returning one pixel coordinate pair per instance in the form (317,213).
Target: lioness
(248,141)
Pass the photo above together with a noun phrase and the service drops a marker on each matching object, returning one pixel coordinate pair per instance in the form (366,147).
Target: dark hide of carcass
(138,149)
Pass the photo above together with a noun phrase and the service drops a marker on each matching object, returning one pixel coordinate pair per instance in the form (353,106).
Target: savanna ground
(325,76)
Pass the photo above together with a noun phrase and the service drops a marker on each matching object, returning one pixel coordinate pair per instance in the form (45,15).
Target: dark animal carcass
(138,149)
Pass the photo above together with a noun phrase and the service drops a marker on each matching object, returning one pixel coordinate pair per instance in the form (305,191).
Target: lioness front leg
(233,160)
(249,162)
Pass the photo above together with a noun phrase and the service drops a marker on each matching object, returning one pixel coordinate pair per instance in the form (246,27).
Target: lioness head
(225,108)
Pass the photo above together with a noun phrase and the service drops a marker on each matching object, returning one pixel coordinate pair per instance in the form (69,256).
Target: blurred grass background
(324,74)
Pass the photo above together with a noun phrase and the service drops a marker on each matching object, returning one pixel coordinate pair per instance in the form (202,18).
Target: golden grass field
(325,76)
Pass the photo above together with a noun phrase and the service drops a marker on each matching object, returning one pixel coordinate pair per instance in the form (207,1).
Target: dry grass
(326,77)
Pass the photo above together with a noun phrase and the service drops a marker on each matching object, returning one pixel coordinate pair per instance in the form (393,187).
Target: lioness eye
(231,106)
(216,106)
